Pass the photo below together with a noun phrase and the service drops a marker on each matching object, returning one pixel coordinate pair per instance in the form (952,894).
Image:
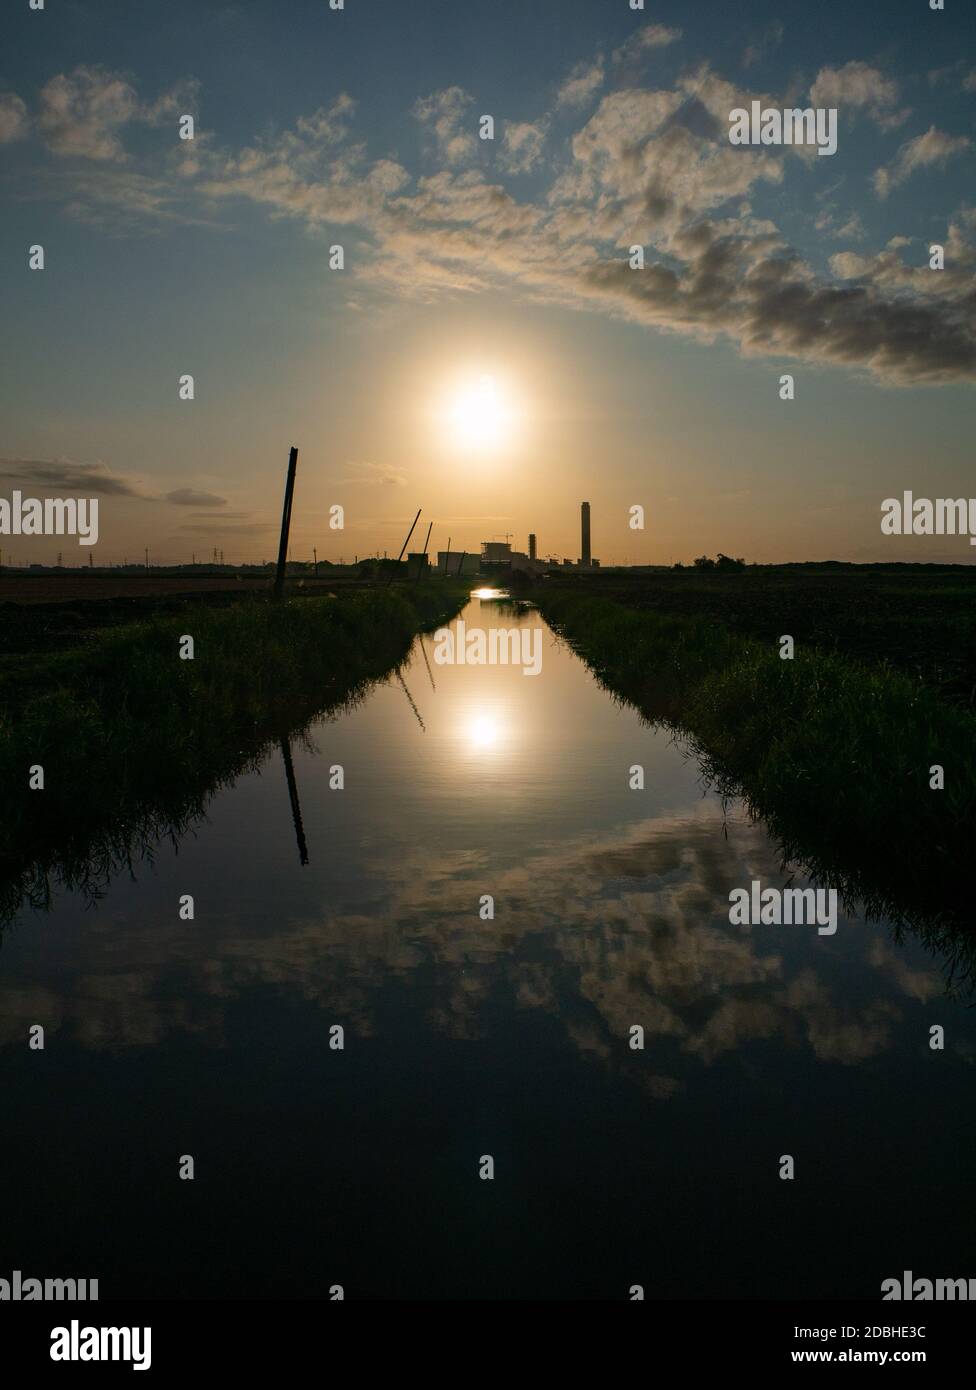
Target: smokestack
(585,527)
(531,545)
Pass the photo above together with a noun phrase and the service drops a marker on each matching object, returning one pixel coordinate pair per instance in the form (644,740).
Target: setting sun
(479,416)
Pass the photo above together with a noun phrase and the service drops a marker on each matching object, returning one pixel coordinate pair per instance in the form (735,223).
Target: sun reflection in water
(484,732)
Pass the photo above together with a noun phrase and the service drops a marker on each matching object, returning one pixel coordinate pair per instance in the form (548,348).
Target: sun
(484,733)
(479,416)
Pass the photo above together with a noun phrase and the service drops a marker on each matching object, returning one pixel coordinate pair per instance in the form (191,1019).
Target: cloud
(218,527)
(932,148)
(647,166)
(633,921)
(181,100)
(82,114)
(969,81)
(445,115)
(853,228)
(860,87)
(223,518)
(644,40)
(372,474)
(14,122)
(190,497)
(522,145)
(581,85)
(65,476)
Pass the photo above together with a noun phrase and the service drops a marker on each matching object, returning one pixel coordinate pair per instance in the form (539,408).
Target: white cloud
(860,87)
(581,85)
(647,167)
(522,145)
(14,122)
(935,147)
(644,40)
(83,113)
(445,115)
(853,229)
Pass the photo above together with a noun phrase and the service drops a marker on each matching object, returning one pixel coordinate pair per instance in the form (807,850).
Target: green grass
(833,753)
(918,619)
(133,740)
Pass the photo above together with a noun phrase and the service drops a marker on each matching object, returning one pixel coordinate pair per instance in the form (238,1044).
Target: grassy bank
(919,619)
(834,754)
(133,739)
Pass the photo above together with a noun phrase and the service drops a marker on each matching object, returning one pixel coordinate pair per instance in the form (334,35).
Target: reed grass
(833,754)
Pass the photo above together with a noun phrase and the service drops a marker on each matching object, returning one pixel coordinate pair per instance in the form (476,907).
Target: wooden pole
(461,562)
(405,544)
(420,567)
(447,557)
(279,584)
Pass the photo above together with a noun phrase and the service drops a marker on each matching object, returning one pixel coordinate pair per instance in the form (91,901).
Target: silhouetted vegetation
(834,754)
(721,562)
(133,740)
(920,619)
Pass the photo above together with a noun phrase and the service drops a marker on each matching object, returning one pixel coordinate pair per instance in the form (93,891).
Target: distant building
(496,552)
(531,545)
(457,561)
(585,533)
(526,563)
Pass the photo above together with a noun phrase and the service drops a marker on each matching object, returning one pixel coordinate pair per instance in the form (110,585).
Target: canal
(448,926)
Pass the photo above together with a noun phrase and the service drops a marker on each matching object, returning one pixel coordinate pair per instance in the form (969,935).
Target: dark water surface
(467,1037)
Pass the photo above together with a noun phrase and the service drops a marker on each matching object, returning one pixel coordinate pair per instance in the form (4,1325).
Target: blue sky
(506,257)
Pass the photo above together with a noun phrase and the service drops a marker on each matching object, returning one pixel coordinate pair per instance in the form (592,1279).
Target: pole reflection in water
(296,810)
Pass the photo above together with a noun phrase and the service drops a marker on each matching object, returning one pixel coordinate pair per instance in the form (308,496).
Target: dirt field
(44,612)
(67,588)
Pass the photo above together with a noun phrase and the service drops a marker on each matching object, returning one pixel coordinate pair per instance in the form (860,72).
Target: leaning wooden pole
(461,562)
(420,567)
(279,584)
(405,544)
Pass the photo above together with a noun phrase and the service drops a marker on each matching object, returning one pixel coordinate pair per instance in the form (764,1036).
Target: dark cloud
(64,476)
(219,528)
(190,497)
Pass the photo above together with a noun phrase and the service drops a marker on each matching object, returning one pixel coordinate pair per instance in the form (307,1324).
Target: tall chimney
(531,545)
(585,526)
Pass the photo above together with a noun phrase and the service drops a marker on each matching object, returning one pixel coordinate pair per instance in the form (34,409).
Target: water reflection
(492,1034)
(296,809)
(611,906)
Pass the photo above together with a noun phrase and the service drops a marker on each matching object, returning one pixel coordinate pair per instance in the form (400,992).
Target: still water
(468,1037)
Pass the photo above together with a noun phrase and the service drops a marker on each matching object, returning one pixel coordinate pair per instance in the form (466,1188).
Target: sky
(487,351)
